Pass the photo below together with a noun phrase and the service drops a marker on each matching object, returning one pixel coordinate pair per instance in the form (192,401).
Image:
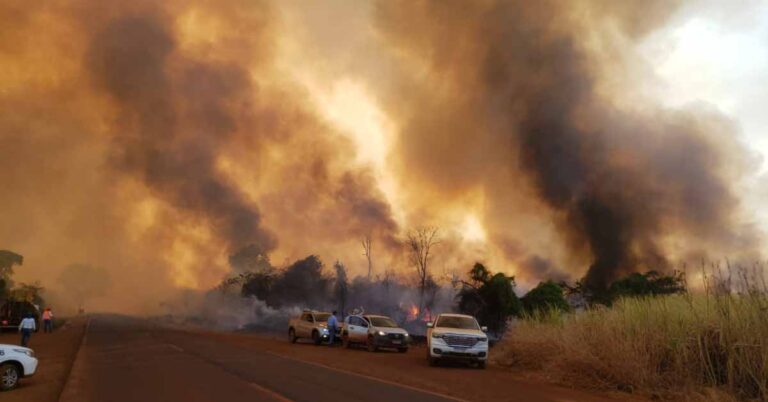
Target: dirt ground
(55,351)
(456,380)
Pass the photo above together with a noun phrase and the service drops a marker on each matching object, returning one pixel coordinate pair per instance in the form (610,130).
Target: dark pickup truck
(13,311)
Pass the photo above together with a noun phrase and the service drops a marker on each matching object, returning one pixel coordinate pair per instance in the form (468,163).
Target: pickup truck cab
(16,362)
(374,331)
(456,337)
(310,325)
(13,311)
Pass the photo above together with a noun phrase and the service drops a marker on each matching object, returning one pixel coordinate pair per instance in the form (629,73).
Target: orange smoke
(155,139)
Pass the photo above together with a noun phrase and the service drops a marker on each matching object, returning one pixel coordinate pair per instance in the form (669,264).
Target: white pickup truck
(15,362)
(456,337)
(310,325)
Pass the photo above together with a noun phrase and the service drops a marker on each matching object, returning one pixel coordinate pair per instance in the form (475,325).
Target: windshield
(321,317)
(457,322)
(382,322)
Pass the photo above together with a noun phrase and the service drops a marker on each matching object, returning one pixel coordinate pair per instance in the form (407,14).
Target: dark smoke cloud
(522,76)
(173,122)
(157,139)
(146,136)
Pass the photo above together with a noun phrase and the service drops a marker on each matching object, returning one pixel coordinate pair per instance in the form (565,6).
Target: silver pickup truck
(374,331)
(310,325)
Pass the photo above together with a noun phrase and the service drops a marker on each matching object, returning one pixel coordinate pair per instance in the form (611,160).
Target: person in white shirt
(27,326)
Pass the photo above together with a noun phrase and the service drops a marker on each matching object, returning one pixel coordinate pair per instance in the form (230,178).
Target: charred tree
(341,287)
(367,254)
(420,243)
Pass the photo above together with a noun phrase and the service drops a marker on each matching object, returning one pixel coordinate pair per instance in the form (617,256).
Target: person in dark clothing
(332,324)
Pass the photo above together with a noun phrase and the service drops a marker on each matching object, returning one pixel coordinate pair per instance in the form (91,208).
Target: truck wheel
(371,346)
(292,336)
(316,337)
(402,350)
(9,377)
(430,360)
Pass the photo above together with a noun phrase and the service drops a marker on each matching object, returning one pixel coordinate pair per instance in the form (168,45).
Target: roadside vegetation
(656,338)
(9,290)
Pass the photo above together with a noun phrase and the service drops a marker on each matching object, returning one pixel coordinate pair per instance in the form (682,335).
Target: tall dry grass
(707,345)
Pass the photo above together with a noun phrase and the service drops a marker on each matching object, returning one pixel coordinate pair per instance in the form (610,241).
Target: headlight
(325,330)
(434,335)
(406,335)
(25,352)
(381,333)
(482,339)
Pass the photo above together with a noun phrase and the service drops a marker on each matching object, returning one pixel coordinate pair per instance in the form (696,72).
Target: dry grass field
(707,346)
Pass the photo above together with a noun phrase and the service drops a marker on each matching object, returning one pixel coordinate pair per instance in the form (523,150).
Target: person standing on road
(332,323)
(26,327)
(47,320)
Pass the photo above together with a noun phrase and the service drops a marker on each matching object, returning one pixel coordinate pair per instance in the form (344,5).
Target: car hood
(458,331)
(14,347)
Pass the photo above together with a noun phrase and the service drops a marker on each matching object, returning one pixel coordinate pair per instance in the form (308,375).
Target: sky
(717,53)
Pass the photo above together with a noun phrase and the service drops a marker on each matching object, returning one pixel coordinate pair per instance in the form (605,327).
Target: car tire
(402,350)
(9,376)
(433,362)
(481,365)
(292,335)
(316,338)
(370,345)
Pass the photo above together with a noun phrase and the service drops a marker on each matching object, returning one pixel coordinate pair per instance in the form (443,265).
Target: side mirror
(430,325)
(484,329)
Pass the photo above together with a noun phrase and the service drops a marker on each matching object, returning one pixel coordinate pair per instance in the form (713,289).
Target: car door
(356,329)
(362,333)
(305,325)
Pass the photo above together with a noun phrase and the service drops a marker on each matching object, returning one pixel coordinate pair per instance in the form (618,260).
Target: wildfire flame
(413,314)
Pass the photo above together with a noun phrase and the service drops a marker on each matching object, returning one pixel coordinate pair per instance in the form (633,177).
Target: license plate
(397,342)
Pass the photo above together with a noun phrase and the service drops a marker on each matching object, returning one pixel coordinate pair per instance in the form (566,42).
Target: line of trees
(8,259)
(489,296)
(492,299)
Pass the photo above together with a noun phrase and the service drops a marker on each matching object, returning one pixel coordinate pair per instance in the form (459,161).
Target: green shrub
(545,296)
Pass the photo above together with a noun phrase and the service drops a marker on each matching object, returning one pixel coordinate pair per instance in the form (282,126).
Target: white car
(15,362)
(456,337)
(374,331)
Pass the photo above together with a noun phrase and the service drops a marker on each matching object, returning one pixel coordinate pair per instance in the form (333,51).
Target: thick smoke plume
(157,139)
(173,120)
(512,99)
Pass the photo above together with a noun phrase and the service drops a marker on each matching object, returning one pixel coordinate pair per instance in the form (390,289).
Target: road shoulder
(56,353)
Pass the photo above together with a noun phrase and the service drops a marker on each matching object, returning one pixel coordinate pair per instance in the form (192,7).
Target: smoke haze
(157,140)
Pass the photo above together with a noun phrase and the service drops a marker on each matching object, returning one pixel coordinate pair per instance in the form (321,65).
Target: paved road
(124,359)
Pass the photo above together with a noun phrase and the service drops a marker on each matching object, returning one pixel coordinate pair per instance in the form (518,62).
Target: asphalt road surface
(124,359)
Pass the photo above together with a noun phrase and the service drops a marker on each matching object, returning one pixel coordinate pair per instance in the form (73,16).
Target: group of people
(29,325)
